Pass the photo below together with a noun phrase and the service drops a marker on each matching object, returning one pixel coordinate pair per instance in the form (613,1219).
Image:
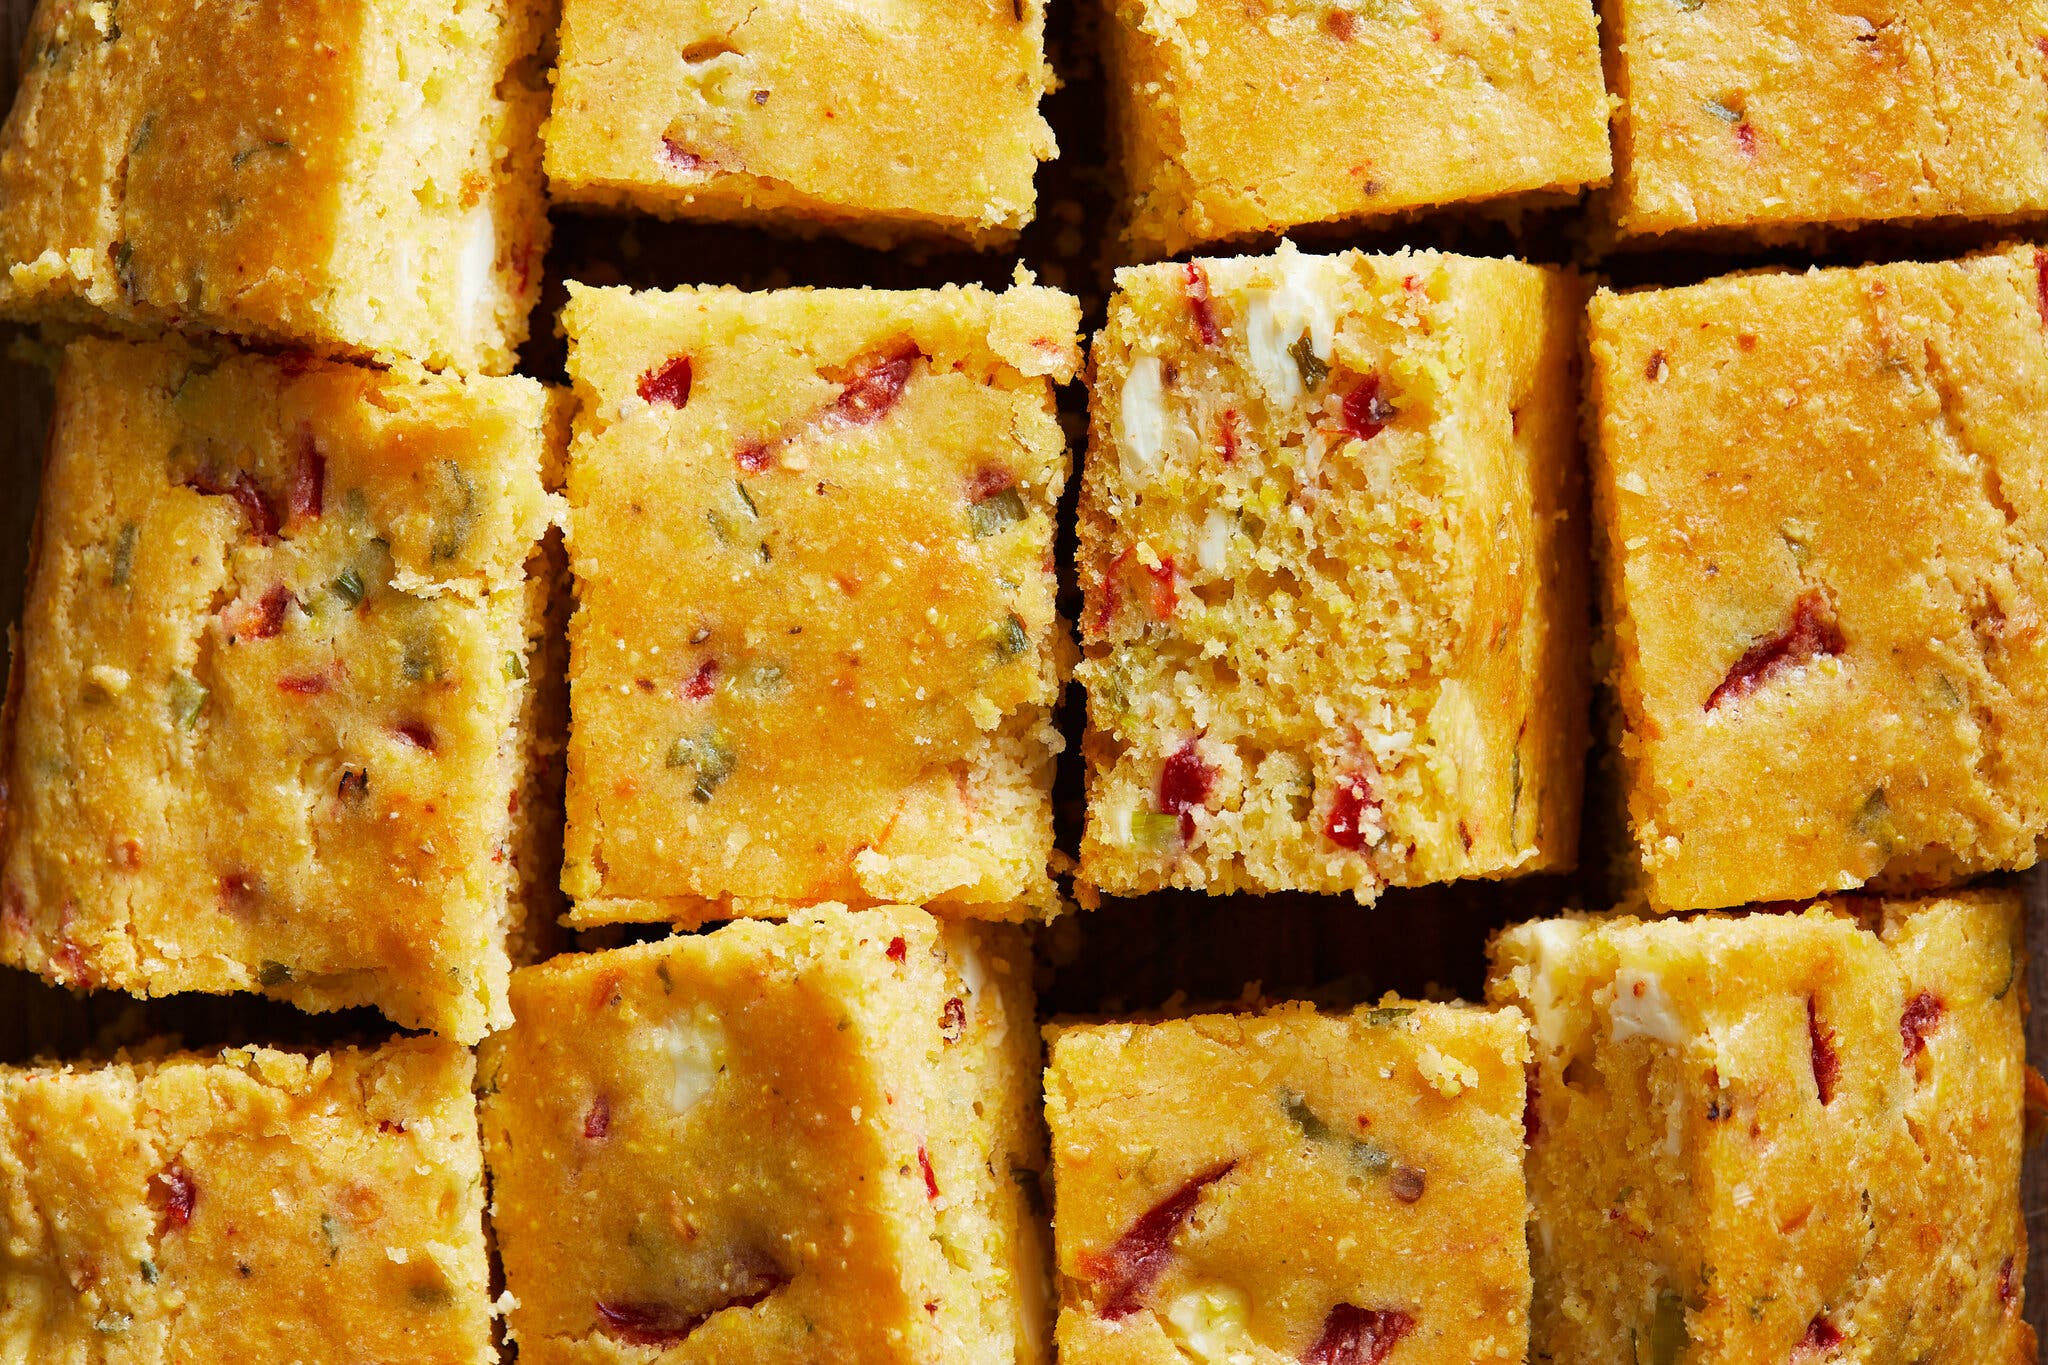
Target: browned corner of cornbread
(815,648)
(1332,546)
(1822,501)
(1232,120)
(1753,116)
(247,1205)
(366,182)
(775,1142)
(880,121)
(1722,1101)
(1291,1186)
(266,725)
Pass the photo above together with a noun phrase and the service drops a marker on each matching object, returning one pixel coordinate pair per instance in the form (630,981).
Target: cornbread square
(880,121)
(815,648)
(1239,117)
(777,1142)
(250,1205)
(1754,114)
(1825,502)
(360,177)
(263,726)
(1775,1137)
(1333,552)
(1346,1189)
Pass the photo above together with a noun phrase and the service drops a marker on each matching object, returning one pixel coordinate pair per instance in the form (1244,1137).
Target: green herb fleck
(124,266)
(711,754)
(1365,1154)
(330,1231)
(1154,831)
(273,974)
(142,134)
(721,529)
(454,531)
(149,1272)
(515,667)
(1514,789)
(747,498)
(1381,1015)
(112,1324)
(187,699)
(1690,5)
(2012,973)
(1874,819)
(761,678)
(1011,639)
(430,1294)
(998,513)
(668,983)
(349,588)
(1313,370)
(243,157)
(124,553)
(422,659)
(1668,1339)
(1721,111)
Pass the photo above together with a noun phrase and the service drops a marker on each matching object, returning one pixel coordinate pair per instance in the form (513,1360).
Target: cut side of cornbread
(775,1142)
(264,726)
(250,1205)
(815,648)
(880,121)
(1773,1137)
(1291,1186)
(1824,506)
(1333,554)
(363,179)
(1234,119)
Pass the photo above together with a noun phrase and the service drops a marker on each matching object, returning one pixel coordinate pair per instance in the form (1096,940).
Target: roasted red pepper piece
(1199,304)
(1812,632)
(309,480)
(181,1194)
(878,381)
(1358,1336)
(1821,1335)
(931,1181)
(1366,413)
(700,682)
(1345,824)
(1827,1063)
(597,1120)
(1923,1016)
(1184,783)
(668,383)
(1165,588)
(1131,1263)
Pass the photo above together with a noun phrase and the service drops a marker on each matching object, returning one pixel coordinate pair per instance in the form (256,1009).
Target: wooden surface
(1128,954)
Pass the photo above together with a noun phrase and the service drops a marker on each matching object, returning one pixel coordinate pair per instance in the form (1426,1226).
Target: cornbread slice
(1775,1137)
(264,726)
(1333,553)
(1240,117)
(1754,114)
(878,120)
(1825,504)
(806,1141)
(1335,1190)
(251,1205)
(815,648)
(360,177)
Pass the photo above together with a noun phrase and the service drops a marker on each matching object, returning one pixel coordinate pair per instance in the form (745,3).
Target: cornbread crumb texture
(1825,504)
(265,719)
(776,1142)
(251,1205)
(1235,118)
(1777,1136)
(1291,1187)
(815,647)
(903,118)
(1751,113)
(1332,546)
(360,177)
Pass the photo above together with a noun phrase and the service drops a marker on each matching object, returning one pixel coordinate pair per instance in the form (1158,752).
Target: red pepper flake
(1358,1336)
(1923,1016)
(309,480)
(953,1021)
(180,1195)
(674,153)
(1821,1335)
(1131,1263)
(1366,412)
(897,949)
(265,618)
(699,685)
(415,733)
(1811,633)
(1165,588)
(989,481)
(1345,824)
(1227,433)
(1827,1063)
(1184,783)
(303,685)
(877,383)
(248,495)
(2006,1289)
(931,1182)
(667,383)
(597,1121)
(751,455)
(1112,593)
(1199,303)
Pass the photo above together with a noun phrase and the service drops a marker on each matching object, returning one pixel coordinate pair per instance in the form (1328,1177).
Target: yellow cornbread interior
(806,662)
(1404,610)
(1233,119)
(149,1221)
(354,180)
(1324,1118)
(881,120)
(1695,1199)
(275,762)
(1746,114)
(1870,440)
(816,1144)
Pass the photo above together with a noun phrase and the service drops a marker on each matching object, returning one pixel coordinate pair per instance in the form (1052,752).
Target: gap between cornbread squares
(1332,548)
(1291,1185)
(882,122)
(1753,118)
(246,1205)
(361,180)
(815,649)
(809,1140)
(263,733)
(1823,526)
(1231,121)
(1716,1099)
